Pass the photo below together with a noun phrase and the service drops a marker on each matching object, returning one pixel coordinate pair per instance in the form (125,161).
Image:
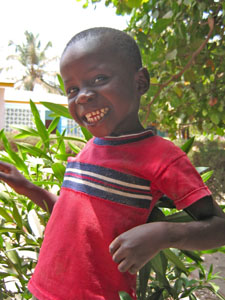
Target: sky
(54,20)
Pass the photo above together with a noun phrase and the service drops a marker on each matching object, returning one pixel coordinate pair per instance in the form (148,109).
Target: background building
(15,109)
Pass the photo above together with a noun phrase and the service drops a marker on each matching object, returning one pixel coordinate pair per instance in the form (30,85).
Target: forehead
(93,48)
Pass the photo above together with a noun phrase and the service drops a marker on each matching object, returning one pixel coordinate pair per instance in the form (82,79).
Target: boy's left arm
(134,248)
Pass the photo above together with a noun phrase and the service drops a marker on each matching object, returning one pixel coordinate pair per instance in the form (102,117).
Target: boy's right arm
(10,175)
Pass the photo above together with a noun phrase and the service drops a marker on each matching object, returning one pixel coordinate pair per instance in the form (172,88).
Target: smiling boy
(96,68)
(97,237)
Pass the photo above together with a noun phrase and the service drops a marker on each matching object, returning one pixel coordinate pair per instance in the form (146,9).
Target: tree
(183,46)
(34,61)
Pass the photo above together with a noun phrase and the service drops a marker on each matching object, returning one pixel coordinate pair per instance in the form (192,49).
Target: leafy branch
(187,66)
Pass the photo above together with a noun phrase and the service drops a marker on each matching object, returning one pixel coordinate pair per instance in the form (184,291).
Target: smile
(97,115)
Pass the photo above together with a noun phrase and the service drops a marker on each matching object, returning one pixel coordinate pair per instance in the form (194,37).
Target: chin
(99,133)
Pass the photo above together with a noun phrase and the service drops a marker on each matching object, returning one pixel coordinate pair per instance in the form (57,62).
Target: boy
(97,237)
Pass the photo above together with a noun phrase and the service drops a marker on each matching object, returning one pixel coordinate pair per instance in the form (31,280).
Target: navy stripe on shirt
(108,184)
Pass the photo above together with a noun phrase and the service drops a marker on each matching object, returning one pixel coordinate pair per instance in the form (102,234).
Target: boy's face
(102,88)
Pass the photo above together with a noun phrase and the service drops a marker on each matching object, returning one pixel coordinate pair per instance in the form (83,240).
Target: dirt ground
(218,261)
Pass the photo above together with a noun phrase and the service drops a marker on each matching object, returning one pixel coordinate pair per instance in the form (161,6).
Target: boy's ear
(142,80)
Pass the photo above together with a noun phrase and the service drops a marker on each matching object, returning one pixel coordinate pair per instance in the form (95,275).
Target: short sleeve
(181,182)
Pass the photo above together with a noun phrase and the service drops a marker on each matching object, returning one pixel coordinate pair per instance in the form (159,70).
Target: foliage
(22,223)
(183,45)
(212,154)
(33,59)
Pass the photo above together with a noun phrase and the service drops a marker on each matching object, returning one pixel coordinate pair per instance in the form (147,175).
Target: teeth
(97,115)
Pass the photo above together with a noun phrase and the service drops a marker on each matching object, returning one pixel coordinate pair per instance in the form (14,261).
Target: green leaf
(161,25)
(16,216)
(193,255)
(12,254)
(171,55)
(209,275)
(60,140)
(178,285)
(153,80)
(35,151)
(1,133)
(18,161)
(157,295)
(204,112)
(46,183)
(168,15)
(206,176)
(86,133)
(152,116)
(174,259)
(181,217)
(6,229)
(39,124)
(61,84)
(189,76)
(179,92)
(132,3)
(5,141)
(215,118)
(144,277)
(59,109)
(159,266)
(187,146)
(63,157)
(5,215)
(35,224)
(75,148)
(25,131)
(124,296)
(188,2)
(216,289)
(4,196)
(201,169)
(59,171)
(53,124)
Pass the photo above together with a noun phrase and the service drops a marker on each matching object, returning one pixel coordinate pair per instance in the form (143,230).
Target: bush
(212,155)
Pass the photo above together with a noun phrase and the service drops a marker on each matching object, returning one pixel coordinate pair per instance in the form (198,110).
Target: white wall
(2,108)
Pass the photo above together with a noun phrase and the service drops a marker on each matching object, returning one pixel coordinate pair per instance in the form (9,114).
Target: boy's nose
(85,96)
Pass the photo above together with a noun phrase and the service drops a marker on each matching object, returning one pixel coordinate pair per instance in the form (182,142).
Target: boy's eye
(71,92)
(99,79)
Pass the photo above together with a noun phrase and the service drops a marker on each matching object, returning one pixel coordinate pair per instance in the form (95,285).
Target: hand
(134,248)
(10,175)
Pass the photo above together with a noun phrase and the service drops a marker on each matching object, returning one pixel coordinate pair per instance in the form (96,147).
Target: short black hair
(123,42)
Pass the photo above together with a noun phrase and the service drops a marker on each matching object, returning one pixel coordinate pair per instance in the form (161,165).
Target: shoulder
(163,151)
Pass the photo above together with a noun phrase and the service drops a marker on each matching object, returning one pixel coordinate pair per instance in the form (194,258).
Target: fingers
(125,265)
(5,167)
(3,175)
(133,270)
(114,246)
(116,252)
(119,256)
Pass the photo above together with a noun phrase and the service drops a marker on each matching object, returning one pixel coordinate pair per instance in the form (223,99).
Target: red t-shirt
(107,190)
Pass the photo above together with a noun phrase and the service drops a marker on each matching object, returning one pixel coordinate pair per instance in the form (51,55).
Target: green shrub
(212,154)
